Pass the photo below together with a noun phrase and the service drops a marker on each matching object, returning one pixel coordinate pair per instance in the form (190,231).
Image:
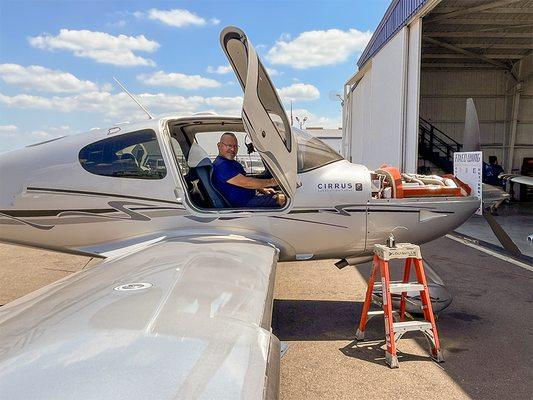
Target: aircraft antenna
(292,122)
(150,116)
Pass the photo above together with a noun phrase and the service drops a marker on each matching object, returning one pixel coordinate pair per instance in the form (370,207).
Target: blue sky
(57,59)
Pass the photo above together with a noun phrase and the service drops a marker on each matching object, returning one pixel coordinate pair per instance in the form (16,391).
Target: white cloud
(225,69)
(99,46)
(317,48)
(177,17)
(225,103)
(273,72)
(13,137)
(26,101)
(119,107)
(221,69)
(299,92)
(43,79)
(315,120)
(8,128)
(175,79)
(51,132)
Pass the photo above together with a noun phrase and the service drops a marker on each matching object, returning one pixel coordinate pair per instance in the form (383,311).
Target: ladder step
(406,287)
(399,287)
(407,326)
(379,312)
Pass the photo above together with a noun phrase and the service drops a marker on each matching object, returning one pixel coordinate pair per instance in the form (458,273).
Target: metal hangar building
(425,59)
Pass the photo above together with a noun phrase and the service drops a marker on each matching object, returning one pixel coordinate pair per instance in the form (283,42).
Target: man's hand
(267,191)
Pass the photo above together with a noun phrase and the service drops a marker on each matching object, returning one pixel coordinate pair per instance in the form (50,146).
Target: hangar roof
(462,33)
(481,34)
(396,16)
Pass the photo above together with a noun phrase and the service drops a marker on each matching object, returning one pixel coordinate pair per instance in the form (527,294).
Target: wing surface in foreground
(191,321)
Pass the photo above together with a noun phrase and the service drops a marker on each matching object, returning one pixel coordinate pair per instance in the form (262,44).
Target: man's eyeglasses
(230,146)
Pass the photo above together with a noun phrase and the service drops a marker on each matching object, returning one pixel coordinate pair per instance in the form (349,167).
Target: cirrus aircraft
(181,305)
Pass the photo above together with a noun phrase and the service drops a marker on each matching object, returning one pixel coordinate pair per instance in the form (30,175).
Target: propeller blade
(471,138)
(502,236)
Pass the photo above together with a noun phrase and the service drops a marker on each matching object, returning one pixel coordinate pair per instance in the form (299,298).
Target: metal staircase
(436,146)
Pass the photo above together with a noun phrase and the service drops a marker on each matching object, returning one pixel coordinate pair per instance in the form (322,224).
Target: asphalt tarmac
(486,332)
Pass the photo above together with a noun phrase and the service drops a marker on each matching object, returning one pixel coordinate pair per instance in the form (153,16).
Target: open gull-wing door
(262,112)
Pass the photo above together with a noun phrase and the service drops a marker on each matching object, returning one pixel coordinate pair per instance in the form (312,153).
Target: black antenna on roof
(150,116)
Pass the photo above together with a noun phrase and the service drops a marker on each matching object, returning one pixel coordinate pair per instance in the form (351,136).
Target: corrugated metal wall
(377,107)
(524,131)
(380,111)
(443,98)
(443,95)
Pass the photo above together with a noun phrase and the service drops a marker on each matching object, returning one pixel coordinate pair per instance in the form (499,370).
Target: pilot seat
(198,179)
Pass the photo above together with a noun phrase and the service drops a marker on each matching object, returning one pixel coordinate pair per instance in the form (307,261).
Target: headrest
(127,156)
(198,157)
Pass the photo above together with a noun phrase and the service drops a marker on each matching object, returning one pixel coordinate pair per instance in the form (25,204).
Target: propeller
(471,136)
(500,233)
(472,142)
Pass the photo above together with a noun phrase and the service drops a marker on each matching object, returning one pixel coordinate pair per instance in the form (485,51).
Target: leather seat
(201,168)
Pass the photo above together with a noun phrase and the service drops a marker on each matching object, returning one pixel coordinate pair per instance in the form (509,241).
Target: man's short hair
(493,159)
(227,134)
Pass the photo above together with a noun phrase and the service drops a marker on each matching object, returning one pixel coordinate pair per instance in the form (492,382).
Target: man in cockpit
(230,179)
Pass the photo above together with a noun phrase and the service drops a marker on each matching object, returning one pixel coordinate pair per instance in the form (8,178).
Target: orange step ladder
(395,330)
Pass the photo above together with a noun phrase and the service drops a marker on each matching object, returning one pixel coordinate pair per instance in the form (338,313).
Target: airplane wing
(522,179)
(185,318)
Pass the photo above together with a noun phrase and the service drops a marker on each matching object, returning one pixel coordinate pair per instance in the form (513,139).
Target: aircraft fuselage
(49,201)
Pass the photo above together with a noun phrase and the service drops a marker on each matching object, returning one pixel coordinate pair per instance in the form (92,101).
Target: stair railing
(433,140)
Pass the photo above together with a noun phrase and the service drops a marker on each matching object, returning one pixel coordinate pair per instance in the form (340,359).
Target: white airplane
(181,306)
(516,178)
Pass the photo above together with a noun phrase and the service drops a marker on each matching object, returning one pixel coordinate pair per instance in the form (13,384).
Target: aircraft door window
(272,105)
(132,155)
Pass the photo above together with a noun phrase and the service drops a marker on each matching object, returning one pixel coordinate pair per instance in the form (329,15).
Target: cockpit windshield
(312,152)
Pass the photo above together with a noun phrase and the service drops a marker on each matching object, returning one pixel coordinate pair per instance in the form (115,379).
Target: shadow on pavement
(302,320)
(315,319)
(373,351)
(485,333)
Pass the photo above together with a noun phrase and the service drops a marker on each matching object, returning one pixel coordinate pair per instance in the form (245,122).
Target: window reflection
(312,152)
(272,105)
(131,155)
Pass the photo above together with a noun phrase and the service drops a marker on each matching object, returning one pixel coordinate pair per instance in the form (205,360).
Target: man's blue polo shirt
(224,170)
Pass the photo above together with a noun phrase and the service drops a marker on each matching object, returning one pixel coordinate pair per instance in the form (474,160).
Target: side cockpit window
(132,155)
